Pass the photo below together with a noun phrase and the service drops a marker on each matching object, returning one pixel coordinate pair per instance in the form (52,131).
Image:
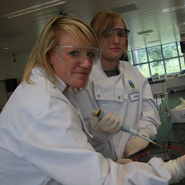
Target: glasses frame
(112,29)
(57,52)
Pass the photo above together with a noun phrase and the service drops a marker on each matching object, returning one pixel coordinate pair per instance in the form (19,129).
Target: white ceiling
(20,33)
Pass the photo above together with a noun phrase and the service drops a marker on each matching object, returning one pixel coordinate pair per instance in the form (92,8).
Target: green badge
(131,84)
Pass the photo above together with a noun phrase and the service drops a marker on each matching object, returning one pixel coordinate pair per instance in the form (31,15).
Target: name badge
(134,96)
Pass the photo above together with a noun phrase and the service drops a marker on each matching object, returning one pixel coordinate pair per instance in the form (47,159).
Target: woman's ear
(48,56)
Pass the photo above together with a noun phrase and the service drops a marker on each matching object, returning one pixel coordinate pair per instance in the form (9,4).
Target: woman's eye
(74,53)
(122,34)
(108,35)
(91,54)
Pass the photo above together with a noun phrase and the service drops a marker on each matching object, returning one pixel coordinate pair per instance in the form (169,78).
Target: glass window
(163,59)
(130,57)
(169,50)
(140,56)
(157,67)
(144,69)
(179,49)
(154,53)
(172,65)
(182,62)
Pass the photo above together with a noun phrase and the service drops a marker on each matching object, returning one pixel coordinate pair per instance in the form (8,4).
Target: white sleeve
(150,120)
(170,167)
(56,146)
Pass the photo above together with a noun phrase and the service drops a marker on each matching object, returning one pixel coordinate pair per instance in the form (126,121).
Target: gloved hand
(110,123)
(176,168)
(135,145)
(180,167)
(124,161)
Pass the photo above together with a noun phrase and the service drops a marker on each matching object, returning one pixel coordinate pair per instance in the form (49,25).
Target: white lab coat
(43,140)
(129,96)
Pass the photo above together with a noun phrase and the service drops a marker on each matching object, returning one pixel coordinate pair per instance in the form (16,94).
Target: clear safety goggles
(77,54)
(121,33)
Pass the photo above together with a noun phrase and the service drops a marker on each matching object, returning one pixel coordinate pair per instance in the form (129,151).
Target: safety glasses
(121,33)
(77,54)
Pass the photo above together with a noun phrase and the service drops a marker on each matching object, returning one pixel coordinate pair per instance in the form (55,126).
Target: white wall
(10,69)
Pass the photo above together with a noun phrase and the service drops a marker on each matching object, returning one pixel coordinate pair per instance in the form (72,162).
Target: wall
(10,69)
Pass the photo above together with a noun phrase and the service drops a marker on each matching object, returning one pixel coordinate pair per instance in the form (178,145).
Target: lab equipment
(182,105)
(178,113)
(100,114)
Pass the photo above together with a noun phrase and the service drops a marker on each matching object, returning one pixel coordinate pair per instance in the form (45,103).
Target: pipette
(100,114)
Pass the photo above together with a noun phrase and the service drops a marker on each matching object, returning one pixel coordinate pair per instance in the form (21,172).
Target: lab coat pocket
(109,89)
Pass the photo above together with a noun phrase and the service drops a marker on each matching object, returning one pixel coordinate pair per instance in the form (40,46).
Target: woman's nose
(86,63)
(116,39)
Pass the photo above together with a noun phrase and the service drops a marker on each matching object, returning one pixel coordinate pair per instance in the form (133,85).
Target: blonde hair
(105,20)
(49,38)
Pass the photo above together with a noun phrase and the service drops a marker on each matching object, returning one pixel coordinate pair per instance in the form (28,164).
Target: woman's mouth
(115,49)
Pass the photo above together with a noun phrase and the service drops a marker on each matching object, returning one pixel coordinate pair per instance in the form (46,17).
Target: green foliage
(142,56)
(170,50)
(154,53)
(157,67)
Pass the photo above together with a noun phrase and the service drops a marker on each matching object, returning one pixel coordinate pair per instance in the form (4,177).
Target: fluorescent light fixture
(6,47)
(34,8)
(144,32)
(173,8)
(150,42)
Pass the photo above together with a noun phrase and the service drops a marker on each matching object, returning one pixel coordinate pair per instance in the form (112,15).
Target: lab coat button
(98,95)
(54,87)
(119,97)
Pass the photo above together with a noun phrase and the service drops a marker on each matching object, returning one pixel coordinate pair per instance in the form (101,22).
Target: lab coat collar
(60,85)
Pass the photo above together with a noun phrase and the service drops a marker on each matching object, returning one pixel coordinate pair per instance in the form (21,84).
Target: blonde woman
(117,87)
(43,140)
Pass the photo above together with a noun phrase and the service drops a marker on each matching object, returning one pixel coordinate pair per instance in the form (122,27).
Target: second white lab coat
(129,96)
(43,141)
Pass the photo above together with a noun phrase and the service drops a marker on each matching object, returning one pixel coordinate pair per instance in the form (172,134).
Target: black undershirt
(114,72)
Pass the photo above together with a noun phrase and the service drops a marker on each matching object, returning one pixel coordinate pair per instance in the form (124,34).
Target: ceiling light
(173,8)
(150,42)
(6,48)
(144,32)
(125,8)
(34,8)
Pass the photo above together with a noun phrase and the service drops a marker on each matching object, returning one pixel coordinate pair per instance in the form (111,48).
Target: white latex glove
(135,145)
(110,123)
(124,161)
(176,168)
(180,167)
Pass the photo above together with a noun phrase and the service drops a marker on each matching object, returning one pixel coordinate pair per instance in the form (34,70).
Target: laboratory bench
(168,133)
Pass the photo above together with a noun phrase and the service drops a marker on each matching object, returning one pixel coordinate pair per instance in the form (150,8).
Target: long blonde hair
(49,38)
(105,20)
